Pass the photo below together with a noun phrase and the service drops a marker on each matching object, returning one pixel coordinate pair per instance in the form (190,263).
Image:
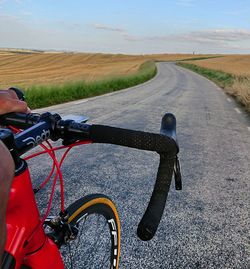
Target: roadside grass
(200,58)
(47,95)
(241,90)
(237,86)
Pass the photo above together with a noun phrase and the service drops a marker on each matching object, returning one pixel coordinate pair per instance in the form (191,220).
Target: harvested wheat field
(238,65)
(27,68)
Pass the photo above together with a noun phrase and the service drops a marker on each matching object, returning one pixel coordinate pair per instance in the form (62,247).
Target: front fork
(45,258)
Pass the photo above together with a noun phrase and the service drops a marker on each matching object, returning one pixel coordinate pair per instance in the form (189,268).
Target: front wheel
(97,243)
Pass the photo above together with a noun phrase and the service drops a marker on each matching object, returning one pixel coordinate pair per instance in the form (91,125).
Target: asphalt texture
(206,225)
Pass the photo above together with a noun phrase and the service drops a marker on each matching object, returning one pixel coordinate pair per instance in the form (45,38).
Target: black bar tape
(151,219)
(167,148)
(133,139)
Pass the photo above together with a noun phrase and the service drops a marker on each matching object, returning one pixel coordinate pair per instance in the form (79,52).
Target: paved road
(207,224)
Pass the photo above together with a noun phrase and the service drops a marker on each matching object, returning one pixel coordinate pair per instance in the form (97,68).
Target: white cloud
(130,37)
(202,36)
(215,35)
(107,27)
(212,40)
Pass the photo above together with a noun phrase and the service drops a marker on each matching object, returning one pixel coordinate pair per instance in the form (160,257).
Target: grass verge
(221,78)
(199,58)
(237,86)
(47,95)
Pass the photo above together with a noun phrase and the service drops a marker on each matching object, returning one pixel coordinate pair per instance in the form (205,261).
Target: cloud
(212,36)
(129,37)
(107,27)
(219,35)
(213,40)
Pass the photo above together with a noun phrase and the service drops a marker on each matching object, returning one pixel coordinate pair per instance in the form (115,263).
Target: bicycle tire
(83,211)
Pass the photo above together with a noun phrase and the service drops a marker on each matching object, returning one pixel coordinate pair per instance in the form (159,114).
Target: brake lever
(177,175)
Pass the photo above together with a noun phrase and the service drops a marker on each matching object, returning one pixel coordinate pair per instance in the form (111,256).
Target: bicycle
(42,243)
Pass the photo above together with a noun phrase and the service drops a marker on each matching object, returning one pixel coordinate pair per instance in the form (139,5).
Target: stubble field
(24,68)
(238,65)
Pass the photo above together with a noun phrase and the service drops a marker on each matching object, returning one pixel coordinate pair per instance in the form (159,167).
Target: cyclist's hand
(9,102)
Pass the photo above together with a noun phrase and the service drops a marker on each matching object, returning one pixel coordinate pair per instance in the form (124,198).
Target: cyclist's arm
(8,103)
(6,175)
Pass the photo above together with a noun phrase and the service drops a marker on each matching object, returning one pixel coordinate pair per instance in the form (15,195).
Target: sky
(127,26)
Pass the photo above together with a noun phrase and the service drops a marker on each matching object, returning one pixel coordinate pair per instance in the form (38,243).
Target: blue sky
(131,26)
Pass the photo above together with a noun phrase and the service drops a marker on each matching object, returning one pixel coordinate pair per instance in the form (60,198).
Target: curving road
(206,225)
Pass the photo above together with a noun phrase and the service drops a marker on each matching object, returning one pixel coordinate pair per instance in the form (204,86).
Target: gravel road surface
(206,225)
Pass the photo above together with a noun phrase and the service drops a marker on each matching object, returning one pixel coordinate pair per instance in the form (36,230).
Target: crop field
(238,65)
(25,68)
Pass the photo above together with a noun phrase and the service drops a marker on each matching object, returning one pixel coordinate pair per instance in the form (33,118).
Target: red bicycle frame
(26,241)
